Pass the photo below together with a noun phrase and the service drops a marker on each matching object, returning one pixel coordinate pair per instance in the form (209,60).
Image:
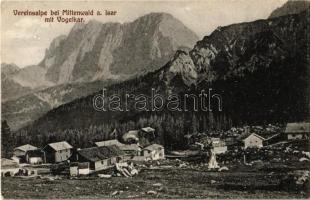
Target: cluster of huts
(51,153)
(103,155)
(110,153)
(293,131)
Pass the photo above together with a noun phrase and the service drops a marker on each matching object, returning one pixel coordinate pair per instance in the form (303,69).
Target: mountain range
(261,69)
(91,55)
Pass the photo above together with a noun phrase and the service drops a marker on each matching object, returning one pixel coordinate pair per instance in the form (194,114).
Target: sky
(24,39)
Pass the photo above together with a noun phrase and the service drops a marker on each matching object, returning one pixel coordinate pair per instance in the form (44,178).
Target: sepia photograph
(137,99)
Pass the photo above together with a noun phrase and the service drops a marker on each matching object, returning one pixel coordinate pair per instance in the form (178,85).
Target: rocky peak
(168,26)
(152,17)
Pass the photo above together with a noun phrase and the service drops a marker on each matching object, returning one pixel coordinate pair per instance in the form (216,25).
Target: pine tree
(6,140)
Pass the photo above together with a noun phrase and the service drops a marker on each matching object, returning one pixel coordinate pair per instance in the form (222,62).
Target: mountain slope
(17,82)
(259,68)
(22,111)
(291,7)
(32,77)
(8,69)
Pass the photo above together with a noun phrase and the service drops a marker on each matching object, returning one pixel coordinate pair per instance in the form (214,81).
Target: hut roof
(26,147)
(148,129)
(57,146)
(109,143)
(131,147)
(154,147)
(100,153)
(302,127)
(254,134)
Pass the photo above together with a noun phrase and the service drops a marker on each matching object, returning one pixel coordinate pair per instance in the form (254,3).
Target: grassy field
(163,183)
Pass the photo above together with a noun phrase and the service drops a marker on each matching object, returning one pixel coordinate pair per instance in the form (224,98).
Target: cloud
(13,34)
(23,56)
(25,28)
(26,23)
(31,22)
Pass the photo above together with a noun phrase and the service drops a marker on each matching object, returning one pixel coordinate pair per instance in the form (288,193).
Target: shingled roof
(26,147)
(100,153)
(302,127)
(116,150)
(57,146)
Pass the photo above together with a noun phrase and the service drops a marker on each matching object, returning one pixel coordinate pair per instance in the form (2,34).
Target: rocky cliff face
(89,56)
(260,68)
(96,51)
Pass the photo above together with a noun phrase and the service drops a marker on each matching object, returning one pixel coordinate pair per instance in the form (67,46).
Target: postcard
(139,99)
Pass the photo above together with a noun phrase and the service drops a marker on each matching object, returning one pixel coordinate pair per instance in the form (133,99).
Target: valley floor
(150,183)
